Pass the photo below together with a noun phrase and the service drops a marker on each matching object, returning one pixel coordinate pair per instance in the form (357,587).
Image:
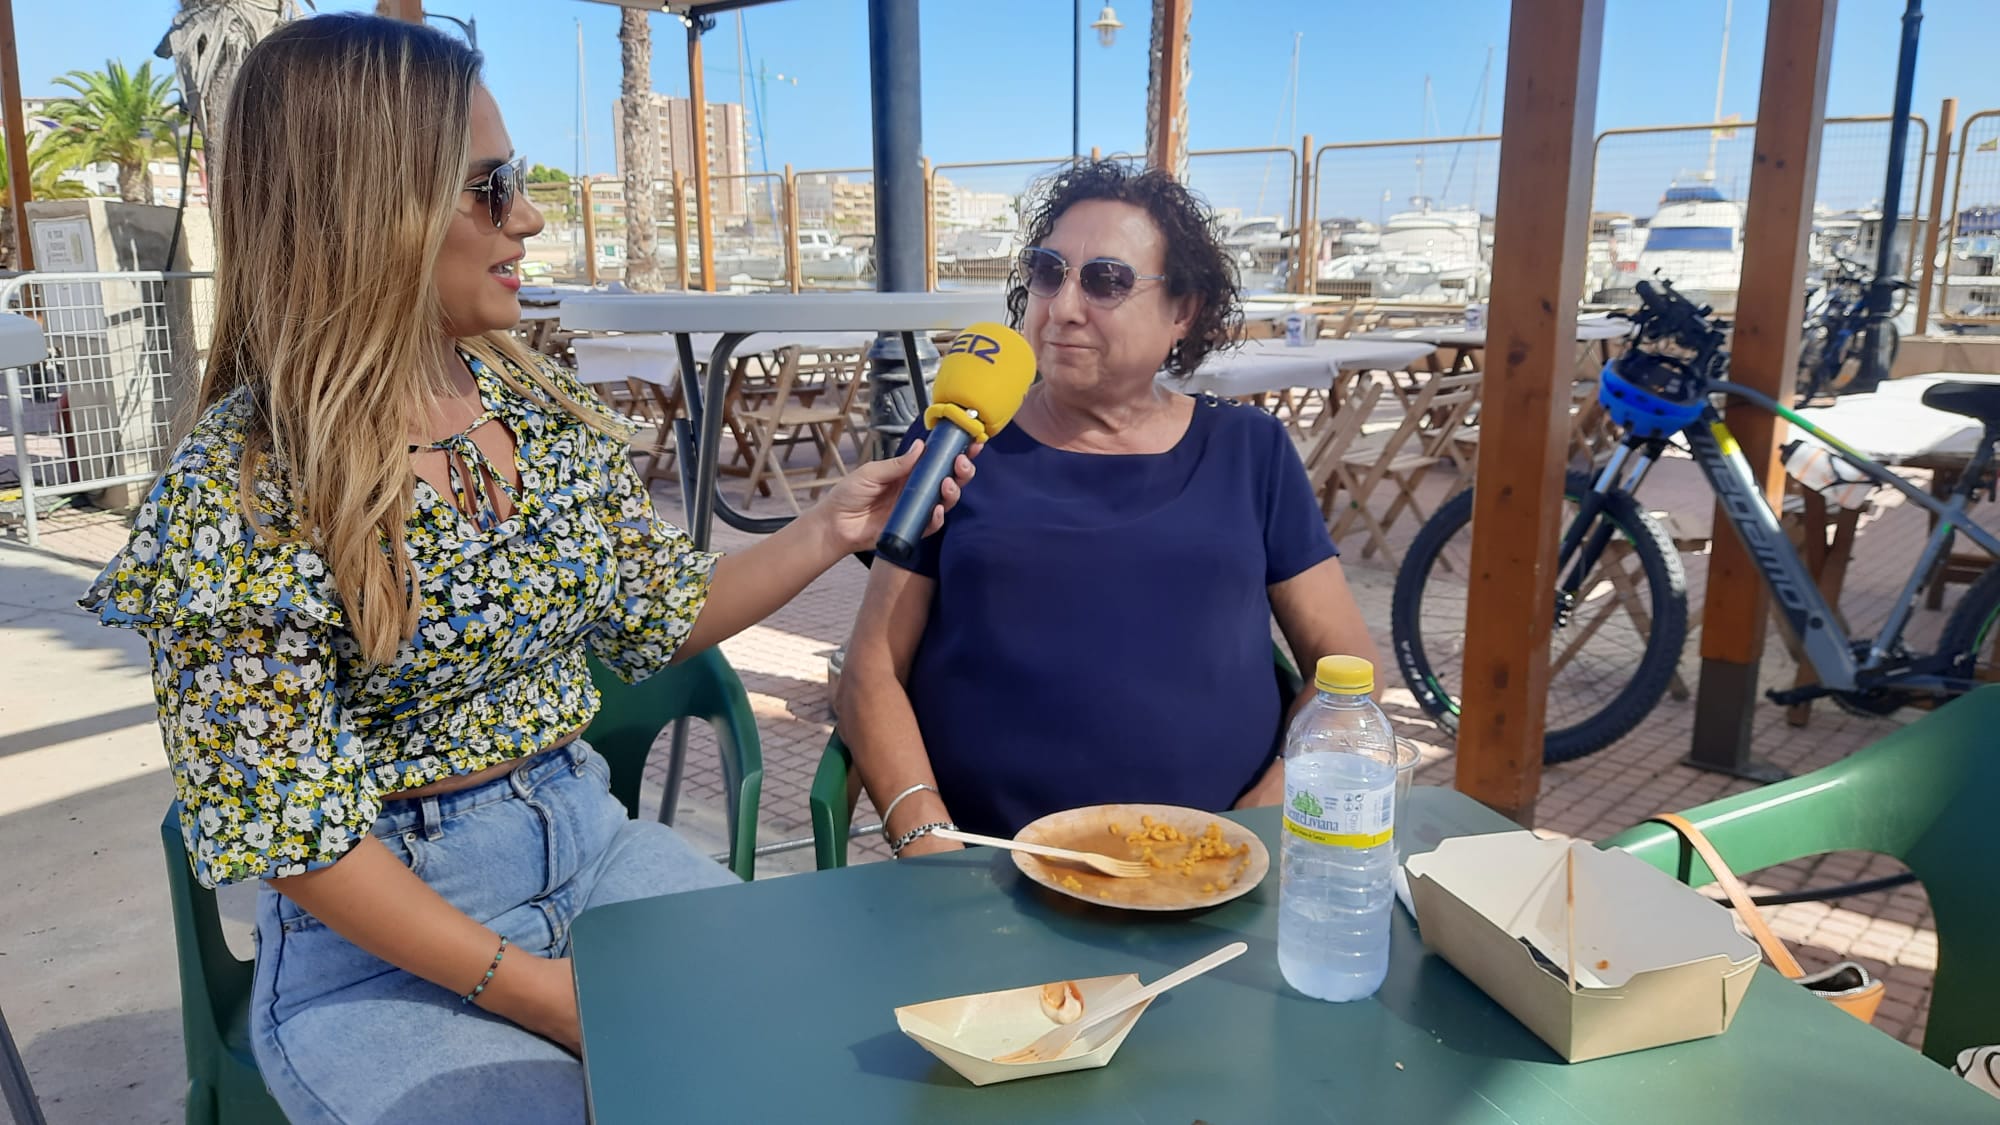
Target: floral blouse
(284,741)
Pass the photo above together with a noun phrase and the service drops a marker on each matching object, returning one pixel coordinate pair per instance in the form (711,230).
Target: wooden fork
(1103,864)
(1054,1042)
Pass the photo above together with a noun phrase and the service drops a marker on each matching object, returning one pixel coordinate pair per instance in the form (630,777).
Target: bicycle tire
(1641,691)
(1812,377)
(1969,629)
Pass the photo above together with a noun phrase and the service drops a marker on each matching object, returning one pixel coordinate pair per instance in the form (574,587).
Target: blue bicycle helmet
(1651,396)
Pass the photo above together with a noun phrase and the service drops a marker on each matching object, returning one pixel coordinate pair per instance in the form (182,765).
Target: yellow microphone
(981,381)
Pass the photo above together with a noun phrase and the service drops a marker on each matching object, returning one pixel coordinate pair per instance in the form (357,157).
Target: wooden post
(16,131)
(589,234)
(680,231)
(1305,272)
(1791,114)
(1928,288)
(789,231)
(409,11)
(704,211)
(1541,225)
(1166,146)
(1096,154)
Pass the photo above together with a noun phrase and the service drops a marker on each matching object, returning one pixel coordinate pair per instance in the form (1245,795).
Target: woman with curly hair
(1094,623)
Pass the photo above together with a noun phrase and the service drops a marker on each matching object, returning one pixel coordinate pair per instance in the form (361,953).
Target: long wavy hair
(345,149)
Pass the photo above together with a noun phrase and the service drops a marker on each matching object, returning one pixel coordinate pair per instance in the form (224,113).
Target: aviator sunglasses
(1105,282)
(500,188)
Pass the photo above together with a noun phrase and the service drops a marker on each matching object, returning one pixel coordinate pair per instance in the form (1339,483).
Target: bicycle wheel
(1609,663)
(1970,633)
(1812,378)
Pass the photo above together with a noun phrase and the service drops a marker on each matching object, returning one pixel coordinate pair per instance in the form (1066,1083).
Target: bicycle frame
(1826,643)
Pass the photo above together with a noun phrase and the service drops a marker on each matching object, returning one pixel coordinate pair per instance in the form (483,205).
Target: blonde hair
(344,152)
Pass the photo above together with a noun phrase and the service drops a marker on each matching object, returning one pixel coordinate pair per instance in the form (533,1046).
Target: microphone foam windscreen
(984,375)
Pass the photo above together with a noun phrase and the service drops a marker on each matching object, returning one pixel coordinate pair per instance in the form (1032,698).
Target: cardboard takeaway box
(1656,963)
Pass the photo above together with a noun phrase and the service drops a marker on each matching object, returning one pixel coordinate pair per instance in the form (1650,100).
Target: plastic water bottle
(1339,853)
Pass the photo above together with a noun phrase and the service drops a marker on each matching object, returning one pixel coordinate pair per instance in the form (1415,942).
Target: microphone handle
(898,541)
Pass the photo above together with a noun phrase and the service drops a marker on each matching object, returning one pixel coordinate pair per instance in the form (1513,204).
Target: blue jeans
(344,1037)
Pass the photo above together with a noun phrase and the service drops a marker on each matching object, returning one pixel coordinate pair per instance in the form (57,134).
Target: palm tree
(125,117)
(207,42)
(640,126)
(48,159)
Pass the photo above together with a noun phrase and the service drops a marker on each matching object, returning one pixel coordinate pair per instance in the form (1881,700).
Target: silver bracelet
(891,810)
(918,833)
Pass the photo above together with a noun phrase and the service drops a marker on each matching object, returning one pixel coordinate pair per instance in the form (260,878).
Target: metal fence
(834,240)
(1969,285)
(1255,194)
(99,416)
(1671,198)
(1405,220)
(975,217)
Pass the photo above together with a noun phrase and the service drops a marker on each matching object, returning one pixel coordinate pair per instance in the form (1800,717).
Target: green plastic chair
(632,716)
(1924,794)
(224,1087)
(836,786)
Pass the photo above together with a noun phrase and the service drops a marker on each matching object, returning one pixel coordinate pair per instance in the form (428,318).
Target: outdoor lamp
(1106,26)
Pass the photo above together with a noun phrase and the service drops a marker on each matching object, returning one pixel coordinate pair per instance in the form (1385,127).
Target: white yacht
(1425,254)
(1695,240)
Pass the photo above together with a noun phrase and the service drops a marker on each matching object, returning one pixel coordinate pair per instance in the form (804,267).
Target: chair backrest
(1924,795)
(630,718)
(1332,437)
(1450,408)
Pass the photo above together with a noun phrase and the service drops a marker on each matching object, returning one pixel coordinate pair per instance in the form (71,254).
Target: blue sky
(996,76)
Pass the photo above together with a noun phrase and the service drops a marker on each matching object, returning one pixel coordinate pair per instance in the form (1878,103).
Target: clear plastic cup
(1408,758)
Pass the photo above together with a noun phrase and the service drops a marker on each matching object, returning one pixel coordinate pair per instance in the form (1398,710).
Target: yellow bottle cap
(1344,675)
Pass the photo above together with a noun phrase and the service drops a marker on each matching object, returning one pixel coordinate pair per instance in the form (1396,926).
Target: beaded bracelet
(490,970)
(891,811)
(917,833)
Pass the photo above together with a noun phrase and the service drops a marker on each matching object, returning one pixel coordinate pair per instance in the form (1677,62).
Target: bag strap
(1775,949)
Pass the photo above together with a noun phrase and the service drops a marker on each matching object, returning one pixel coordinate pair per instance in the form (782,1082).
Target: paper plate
(967,1032)
(1107,830)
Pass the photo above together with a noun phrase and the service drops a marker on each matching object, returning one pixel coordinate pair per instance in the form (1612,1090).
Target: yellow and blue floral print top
(284,741)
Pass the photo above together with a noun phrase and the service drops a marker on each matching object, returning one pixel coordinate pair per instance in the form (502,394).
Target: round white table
(1262,366)
(1588,330)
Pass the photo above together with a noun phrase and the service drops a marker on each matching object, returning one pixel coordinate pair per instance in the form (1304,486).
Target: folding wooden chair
(1398,457)
(1351,401)
(812,399)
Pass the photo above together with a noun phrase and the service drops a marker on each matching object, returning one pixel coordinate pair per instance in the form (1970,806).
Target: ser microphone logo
(975,345)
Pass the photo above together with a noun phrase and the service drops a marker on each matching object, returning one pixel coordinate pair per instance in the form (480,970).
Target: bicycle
(1621,598)
(1833,346)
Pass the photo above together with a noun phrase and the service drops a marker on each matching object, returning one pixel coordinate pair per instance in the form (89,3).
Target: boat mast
(1721,73)
(582,151)
(1291,95)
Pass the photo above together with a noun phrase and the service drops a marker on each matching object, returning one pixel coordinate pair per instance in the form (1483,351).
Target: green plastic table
(772,1002)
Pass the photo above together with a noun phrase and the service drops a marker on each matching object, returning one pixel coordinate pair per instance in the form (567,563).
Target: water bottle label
(1343,818)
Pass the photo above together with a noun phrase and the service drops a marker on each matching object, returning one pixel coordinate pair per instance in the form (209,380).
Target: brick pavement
(783,663)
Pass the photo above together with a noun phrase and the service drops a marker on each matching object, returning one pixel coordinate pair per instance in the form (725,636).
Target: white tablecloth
(652,358)
(1259,366)
(1588,330)
(1893,425)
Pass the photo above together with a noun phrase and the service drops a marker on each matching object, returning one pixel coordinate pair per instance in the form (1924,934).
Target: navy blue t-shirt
(1101,627)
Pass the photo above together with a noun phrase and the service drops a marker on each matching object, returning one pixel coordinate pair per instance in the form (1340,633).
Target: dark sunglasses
(1105,282)
(501,188)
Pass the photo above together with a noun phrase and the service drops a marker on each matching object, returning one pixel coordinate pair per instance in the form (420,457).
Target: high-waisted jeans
(344,1037)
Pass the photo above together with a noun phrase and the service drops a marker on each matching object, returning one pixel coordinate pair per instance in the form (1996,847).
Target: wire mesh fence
(1671,200)
(836,227)
(976,216)
(1405,220)
(100,415)
(1255,195)
(1970,269)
